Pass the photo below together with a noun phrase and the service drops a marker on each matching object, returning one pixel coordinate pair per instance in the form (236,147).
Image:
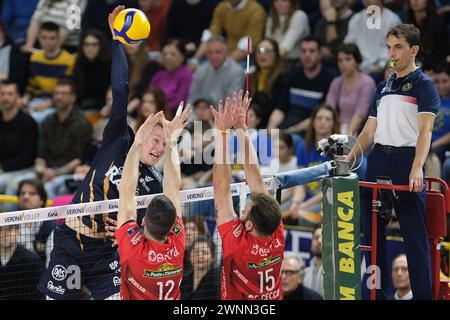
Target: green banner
(341,238)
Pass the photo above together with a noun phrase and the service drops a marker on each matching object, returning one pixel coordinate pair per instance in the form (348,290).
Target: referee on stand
(400,124)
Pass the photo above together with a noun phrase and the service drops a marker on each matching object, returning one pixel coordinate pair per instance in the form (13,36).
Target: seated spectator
(16,265)
(292,273)
(266,81)
(59,13)
(219,77)
(434,39)
(371,42)
(47,66)
(238,20)
(351,93)
(332,28)
(153,101)
(96,14)
(400,279)
(287,25)
(324,123)
(314,273)
(64,142)
(195,228)
(195,143)
(92,71)
(18,135)
(305,88)
(175,79)
(287,161)
(14,64)
(187,19)
(203,281)
(16,16)
(156,11)
(440,140)
(34,235)
(141,72)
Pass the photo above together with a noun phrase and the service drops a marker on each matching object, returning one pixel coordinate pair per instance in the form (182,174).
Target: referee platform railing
(437,207)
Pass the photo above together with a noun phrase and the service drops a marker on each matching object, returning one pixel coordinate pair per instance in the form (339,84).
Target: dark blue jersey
(102,180)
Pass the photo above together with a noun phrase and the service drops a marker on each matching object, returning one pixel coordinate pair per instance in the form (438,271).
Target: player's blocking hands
(146,128)
(224,118)
(240,107)
(173,129)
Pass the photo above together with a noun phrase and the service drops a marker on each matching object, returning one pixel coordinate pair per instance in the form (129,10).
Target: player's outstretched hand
(111,18)
(173,128)
(110,227)
(240,107)
(146,128)
(224,118)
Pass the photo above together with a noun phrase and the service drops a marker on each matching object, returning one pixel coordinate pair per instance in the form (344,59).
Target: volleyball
(131,26)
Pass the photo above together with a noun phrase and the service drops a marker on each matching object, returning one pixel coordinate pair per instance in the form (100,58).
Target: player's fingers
(180,109)
(213,110)
(220,106)
(111,221)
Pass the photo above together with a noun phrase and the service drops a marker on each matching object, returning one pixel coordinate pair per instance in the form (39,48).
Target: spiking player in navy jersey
(82,241)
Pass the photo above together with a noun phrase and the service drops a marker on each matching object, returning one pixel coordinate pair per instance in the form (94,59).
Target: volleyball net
(27,239)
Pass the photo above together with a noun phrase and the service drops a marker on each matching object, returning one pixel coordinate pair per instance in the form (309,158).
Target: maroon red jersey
(150,270)
(251,265)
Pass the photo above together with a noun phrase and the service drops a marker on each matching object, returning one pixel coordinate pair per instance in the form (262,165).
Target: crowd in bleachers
(315,65)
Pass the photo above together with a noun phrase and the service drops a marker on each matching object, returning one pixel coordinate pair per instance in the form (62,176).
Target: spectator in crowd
(153,101)
(18,135)
(314,273)
(175,79)
(351,93)
(16,16)
(266,80)
(60,13)
(156,11)
(371,42)
(187,19)
(305,89)
(33,236)
(142,69)
(14,64)
(287,161)
(434,44)
(292,273)
(400,279)
(324,122)
(47,66)
(91,71)
(20,268)
(96,14)
(287,25)
(312,9)
(238,20)
(332,28)
(203,281)
(64,142)
(219,77)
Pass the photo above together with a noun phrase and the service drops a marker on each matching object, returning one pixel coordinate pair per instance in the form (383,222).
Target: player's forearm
(119,81)
(251,163)
(172,175)
(128,183)
(222,168)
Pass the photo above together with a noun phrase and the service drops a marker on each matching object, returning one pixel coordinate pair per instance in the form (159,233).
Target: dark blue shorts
(80,263)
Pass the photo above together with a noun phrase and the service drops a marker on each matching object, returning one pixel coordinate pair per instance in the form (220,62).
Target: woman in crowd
(203,281)
(351,93)
(287,25)
(92,70)
(307,199)
(266,81)
(175,79)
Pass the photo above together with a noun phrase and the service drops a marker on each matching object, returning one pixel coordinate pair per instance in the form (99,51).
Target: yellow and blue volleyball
(131,26)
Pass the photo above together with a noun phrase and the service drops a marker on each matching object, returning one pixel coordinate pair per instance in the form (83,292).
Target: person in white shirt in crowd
(287,25)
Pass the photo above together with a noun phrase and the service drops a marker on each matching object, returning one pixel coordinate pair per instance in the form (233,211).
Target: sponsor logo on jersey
(407,86)
(132,230)
(263,262)
(237,232)
(116,281)
(59,272)
(53,288)
(137,237)
(158,257)
(164,270)
(176,229)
